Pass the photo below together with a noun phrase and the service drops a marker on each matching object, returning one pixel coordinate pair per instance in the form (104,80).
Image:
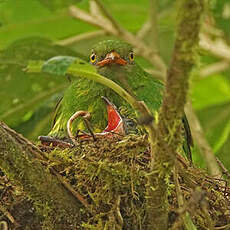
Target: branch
(147,26)
(89,18)
(81,37)
(216,47)
(214,68)
(184,216)
(152,37)
(108,16)
(156,74)
(169,131)
(23,163)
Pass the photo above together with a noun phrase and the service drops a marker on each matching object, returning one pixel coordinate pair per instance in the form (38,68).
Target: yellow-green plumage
(84,94)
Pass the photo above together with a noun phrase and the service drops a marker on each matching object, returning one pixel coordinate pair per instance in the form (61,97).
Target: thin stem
(216,47)
(153,24)
(224,170)
(81,37)
(3,225)
(214,68)
(109,16)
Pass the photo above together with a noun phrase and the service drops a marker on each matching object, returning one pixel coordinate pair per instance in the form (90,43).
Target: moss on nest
(111,176)
(108,172)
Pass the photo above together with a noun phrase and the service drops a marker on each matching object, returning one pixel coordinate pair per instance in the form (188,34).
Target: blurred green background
(32,30)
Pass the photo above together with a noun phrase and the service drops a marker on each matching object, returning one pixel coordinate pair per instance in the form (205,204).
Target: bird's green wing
(188,143)
(150,90)
(145,87)
(57,111)
(83,94)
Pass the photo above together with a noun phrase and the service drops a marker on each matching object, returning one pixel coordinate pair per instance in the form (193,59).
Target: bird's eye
(93,58)
(131,56)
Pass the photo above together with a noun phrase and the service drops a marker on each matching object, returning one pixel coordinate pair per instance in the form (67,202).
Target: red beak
(112,57)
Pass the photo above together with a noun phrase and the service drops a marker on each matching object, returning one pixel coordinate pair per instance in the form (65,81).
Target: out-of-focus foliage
(57,4)
(23,93)
(27,100)
(221,11)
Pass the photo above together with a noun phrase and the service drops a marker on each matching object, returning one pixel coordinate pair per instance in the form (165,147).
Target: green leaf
(23,93)
(215,121)
(40,121)
(58,65)
(20,19)
(33,48)
(210,91)
(223,137)
(80,68)
(222,15)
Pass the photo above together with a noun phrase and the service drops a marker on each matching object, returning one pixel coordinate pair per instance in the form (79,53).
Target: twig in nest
(197,198)
(224,170)
(223,227)
(84,114)
(3,225)
(184,216)
(88,126)
(7,214)
(74,192)
(47,140)
(118,212)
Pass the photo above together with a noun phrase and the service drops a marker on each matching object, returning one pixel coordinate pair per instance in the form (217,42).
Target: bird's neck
(114,72)
(118,74)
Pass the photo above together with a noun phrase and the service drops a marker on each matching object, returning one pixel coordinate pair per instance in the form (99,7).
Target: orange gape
(112,57)
(115,122)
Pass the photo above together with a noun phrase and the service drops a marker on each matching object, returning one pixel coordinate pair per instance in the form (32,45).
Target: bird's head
(112,53)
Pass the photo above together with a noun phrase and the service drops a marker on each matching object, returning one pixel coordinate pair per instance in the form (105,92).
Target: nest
(109,177)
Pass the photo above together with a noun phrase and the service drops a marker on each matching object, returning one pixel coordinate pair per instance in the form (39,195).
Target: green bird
(114,60)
